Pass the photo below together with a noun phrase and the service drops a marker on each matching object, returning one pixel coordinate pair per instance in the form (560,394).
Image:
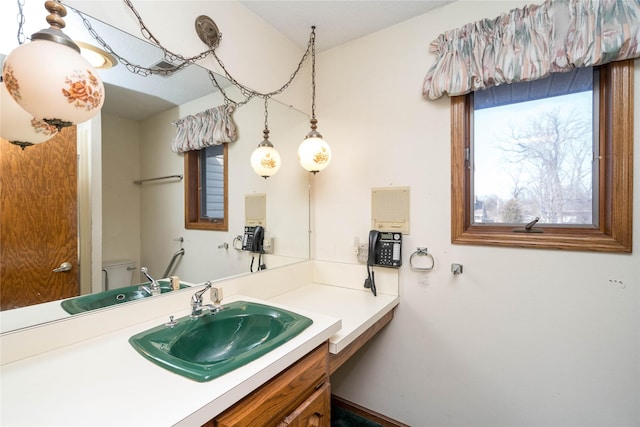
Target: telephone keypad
(389,254)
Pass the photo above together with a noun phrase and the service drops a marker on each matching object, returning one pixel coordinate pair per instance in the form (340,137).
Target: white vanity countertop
(358,309)
(23,317)
(104,381)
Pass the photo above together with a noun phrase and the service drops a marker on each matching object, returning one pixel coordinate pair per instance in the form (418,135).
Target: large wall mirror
(123,221)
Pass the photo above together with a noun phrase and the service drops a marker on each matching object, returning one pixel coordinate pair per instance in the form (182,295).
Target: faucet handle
(197,297)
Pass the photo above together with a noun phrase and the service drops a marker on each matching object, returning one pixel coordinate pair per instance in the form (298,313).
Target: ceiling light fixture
(265,160)
(50,79)
(97,57)
(314,153)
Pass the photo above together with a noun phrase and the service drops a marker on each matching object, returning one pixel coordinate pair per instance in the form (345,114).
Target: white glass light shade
(53,82)
(18,126)
(265,160)
(314,153)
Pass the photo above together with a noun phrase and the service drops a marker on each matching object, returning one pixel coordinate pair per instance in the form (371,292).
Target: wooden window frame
(614,232)
(192,189)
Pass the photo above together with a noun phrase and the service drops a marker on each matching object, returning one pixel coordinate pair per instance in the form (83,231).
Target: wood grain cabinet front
(298,396)
(314,412)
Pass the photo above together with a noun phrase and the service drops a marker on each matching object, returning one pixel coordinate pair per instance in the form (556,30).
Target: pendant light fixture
(19,127)
(265,160)
(314,153)
(50,79)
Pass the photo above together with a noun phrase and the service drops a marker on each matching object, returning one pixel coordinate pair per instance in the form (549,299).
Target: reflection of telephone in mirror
(385,250)
(253,241)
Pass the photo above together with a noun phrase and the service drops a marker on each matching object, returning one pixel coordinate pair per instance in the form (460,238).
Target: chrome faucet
(154,286)
(197,308)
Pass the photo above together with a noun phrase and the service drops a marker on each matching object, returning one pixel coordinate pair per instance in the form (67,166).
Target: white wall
(120,196)
(522,337)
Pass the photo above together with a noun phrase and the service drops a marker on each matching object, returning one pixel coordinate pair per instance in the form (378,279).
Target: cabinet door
(281,395)
(314,412)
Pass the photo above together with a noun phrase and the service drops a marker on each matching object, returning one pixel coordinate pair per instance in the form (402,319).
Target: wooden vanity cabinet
(314,412)
(300,396)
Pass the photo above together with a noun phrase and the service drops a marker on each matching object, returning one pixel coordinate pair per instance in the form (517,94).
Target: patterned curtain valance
(214,126)
(530,43)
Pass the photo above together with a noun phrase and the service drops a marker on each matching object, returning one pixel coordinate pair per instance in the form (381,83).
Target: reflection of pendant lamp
(49,79)
(314,153)
(19,127)
(265,160)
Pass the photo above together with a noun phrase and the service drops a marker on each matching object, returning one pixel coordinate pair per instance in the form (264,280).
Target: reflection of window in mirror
(558,149)
(206,188)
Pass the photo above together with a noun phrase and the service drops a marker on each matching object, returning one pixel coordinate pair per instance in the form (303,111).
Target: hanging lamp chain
(183,62)
(21,21)
(266,114)
(249,93)
(312,42)
(246,92)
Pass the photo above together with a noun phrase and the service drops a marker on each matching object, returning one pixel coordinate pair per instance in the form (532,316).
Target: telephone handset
(253,241)
(253,238)
(385,249)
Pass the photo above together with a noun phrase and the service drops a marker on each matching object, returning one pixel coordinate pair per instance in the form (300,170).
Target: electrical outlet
(267,246)
(362,254)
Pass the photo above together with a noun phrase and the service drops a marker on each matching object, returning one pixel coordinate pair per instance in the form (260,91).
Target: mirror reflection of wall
(123,221)
(156,208)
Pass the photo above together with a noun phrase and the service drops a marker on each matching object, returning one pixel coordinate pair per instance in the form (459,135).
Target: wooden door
(38,221)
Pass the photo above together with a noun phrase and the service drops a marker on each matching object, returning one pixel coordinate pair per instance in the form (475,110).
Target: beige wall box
(390,209)
(255,209)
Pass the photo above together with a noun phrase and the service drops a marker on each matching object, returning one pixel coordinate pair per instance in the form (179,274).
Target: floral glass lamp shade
(50,79)
(314,153)
(265,160)
(19,127)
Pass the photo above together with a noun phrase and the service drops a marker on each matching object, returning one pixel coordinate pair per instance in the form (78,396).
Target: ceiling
(337,21)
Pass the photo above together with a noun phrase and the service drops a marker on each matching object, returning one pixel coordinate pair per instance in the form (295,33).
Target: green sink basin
(214,344)
(111,297)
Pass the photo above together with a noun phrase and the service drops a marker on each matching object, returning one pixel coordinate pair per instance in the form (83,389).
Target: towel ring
(422,252)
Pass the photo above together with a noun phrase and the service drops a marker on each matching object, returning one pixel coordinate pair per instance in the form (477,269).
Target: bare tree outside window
(535,159)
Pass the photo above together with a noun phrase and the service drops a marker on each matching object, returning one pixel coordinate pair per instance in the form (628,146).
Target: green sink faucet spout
(198,309)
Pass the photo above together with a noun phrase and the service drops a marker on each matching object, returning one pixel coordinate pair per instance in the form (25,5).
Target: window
(206,188)
(502,178)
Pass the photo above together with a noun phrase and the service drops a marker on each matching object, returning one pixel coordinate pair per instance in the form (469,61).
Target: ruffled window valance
(530,43)
(210,127)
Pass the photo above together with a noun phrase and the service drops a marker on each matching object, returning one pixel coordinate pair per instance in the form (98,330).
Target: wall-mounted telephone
(385,249)
(253,238)
(253,241)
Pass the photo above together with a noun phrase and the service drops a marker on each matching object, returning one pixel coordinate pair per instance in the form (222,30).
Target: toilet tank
(117,274)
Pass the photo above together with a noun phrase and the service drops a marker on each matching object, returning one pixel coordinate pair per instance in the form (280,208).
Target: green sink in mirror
(111,297)
(211,345)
